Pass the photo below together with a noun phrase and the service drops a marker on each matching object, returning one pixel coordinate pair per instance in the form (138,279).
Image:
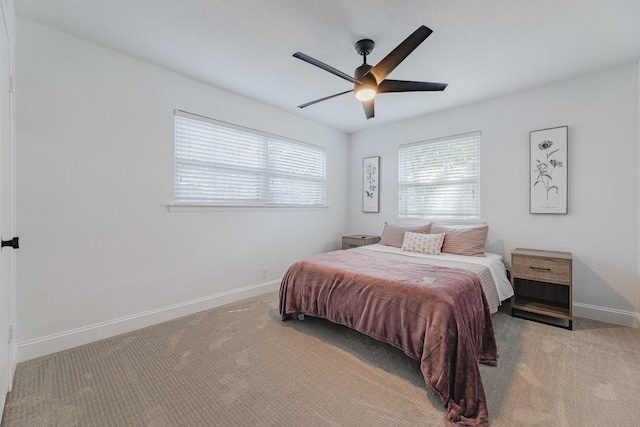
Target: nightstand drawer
(541,269)
(357,240)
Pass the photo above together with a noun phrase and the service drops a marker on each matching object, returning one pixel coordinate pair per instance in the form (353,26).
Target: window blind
(218,163)
(440,178)
(297,173)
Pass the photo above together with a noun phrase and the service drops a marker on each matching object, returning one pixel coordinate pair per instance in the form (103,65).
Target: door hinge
(11,332)
(14,243)
(12,83)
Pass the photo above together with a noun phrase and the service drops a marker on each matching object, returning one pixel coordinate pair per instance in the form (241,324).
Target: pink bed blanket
(436,315)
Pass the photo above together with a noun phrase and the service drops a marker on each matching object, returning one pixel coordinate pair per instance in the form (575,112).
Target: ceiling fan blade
(397,55)
(368,108)
(324,66)
(409,86)
(324,99)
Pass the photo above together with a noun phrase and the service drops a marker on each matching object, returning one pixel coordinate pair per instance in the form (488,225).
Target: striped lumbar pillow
(393,235)
(463,241)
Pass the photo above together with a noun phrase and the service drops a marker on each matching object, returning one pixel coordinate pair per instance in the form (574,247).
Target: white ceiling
(482,49)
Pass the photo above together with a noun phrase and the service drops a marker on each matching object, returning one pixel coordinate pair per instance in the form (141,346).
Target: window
(440,178)
(217,163)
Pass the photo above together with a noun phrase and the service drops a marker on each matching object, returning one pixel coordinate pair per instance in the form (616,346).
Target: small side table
(355,240)
(542,285)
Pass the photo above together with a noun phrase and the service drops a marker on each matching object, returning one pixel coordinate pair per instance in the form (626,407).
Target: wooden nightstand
(542,285)
(356,240)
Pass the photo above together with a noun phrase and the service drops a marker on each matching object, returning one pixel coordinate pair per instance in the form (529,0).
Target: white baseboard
(62,341)
(609,315)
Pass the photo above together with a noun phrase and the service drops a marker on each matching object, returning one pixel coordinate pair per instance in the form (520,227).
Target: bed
(436,308)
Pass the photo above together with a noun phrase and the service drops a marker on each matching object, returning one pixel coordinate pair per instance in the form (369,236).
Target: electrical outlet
(264,274)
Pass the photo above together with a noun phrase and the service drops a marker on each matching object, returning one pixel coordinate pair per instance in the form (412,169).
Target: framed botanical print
(548,186)
(371,184)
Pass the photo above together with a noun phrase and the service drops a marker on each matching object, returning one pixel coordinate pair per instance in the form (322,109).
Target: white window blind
(297,173)
(440,178)
(217,163)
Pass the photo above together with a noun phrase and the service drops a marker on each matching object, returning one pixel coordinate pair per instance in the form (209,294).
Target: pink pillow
(393,235)
(468,241)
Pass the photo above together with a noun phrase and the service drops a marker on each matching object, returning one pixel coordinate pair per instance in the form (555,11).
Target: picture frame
(371,184)
(548,171)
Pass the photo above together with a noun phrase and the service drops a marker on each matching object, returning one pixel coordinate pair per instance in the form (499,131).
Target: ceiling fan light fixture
(365,93)
(369,80)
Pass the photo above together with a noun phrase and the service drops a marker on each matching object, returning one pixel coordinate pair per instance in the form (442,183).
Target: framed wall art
(371,184)
(548,183)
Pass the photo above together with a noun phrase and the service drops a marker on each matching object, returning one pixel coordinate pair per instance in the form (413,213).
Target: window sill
(442,221)
(221,208)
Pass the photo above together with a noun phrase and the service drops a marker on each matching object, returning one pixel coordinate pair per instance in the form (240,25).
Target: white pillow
(423,243)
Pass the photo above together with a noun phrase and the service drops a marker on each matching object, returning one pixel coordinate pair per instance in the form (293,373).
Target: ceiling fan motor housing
(361,73)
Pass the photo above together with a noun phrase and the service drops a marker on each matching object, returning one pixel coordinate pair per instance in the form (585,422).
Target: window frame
(309,169)
(455,178)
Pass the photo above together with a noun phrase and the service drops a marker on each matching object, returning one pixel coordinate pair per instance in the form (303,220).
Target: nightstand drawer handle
(540,269)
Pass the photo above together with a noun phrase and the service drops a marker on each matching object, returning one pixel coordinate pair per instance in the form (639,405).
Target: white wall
(100,252)
(601,229)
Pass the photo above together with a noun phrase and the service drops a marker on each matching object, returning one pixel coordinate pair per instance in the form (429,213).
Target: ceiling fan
(370,80)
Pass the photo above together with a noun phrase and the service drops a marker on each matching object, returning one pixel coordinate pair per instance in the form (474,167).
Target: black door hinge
(13,243)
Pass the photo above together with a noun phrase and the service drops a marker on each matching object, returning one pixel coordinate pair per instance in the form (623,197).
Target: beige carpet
(239,365)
